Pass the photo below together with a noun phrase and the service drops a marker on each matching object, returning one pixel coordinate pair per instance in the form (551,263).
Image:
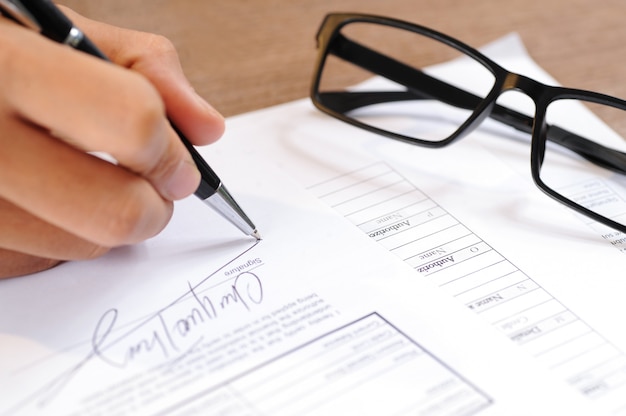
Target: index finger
(156,58)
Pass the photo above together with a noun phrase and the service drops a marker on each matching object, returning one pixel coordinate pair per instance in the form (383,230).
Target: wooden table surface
(243,55)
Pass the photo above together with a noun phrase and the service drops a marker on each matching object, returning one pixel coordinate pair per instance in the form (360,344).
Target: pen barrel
(84,44)
(54,24)
(210,182)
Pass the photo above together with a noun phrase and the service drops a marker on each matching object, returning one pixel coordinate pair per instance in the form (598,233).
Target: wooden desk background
(243,55)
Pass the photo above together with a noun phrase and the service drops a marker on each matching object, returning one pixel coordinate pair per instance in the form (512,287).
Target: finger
(96,105)
(80,193)
(30,236)
(156,58)
(14,264)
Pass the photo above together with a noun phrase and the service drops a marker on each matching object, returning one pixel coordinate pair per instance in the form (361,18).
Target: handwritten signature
(165,334)
(171,332)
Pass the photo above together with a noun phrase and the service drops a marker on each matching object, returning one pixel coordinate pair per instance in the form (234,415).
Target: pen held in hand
(44,17)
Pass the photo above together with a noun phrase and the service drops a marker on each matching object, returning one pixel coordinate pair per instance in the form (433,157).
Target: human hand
(57,201)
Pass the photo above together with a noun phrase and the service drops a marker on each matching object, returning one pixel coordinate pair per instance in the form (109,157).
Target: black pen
(44,17)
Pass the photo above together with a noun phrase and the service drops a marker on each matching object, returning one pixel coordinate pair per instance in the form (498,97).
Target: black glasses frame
(422,86)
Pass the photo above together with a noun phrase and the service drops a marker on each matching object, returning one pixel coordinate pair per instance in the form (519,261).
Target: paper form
(437,245)
(469,219)
(313,319)
(356,360)
(319,317)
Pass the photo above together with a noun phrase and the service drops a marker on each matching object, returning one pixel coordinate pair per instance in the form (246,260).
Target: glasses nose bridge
(523,84)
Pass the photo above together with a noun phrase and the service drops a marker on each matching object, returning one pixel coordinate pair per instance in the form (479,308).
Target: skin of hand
(60,202)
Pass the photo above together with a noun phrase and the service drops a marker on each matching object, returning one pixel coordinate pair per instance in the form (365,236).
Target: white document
(391,280)
(469,219)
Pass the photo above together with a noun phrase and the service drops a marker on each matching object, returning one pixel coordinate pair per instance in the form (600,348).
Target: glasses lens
(388,79)
(586,161)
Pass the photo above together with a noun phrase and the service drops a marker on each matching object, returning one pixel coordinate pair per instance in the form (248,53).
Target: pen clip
(14,9)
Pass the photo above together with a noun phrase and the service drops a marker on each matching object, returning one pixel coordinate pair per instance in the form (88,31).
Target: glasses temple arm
(423,86)
(592,151)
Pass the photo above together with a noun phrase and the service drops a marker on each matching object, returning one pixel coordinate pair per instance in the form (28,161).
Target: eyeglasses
(580,164)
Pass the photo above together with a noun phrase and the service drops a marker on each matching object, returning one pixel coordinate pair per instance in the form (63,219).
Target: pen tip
(256,235)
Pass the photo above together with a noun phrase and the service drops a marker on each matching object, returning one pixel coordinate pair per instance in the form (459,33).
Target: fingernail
(183,182)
